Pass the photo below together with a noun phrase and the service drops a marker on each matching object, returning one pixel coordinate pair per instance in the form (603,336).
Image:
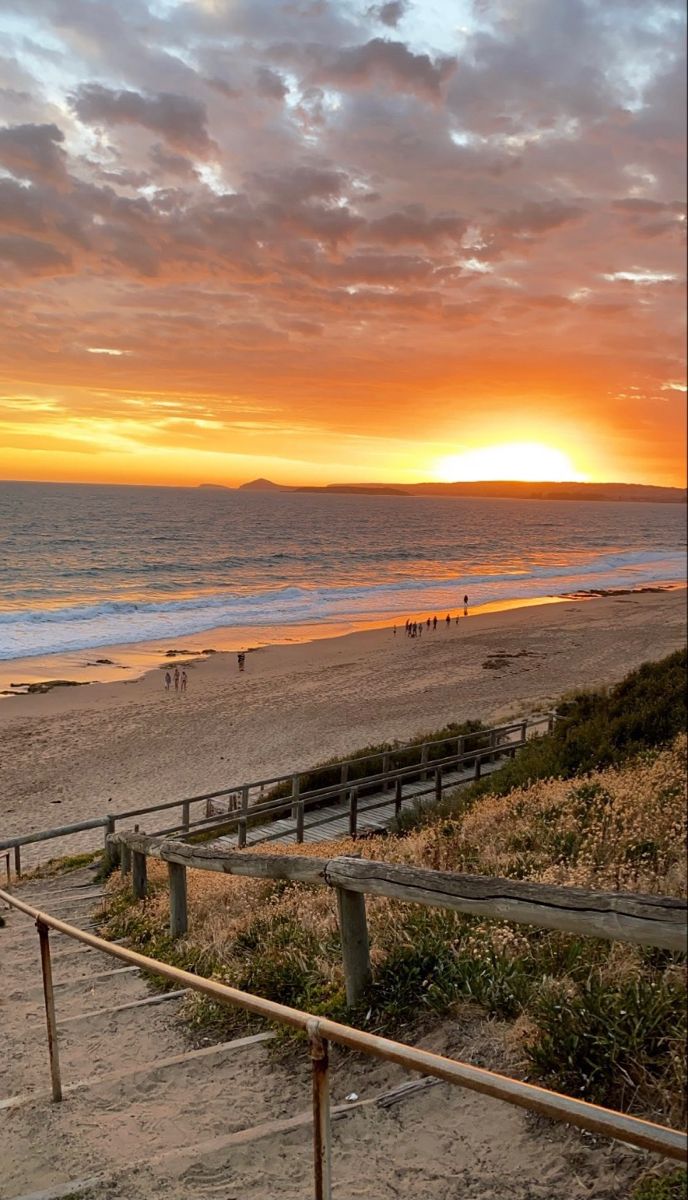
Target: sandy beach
(82,752)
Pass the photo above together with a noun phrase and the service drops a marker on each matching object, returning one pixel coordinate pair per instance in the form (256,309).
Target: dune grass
(602,1020)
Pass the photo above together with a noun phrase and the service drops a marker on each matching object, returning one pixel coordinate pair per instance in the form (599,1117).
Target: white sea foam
(37,630)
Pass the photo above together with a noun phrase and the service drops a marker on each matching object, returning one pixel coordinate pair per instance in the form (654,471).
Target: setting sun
(527,461)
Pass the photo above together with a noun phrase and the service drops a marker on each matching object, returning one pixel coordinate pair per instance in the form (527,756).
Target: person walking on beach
(448,620)
(241,659)
(168,681)
(394,630)
(176,679)
(184,681)
(465,606)
(434,623)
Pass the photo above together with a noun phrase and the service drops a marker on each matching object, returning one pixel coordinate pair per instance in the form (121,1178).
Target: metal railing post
(300,815)
(48,996)
(7,868)
(17,861)
(322,1141)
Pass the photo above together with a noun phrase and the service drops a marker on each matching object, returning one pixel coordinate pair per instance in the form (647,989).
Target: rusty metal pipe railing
(648,1136)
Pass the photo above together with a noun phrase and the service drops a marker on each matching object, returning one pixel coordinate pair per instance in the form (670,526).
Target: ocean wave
(42,630)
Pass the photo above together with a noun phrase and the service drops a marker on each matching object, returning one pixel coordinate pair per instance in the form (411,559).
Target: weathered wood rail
(320,1030)
(659,921)
(498,741)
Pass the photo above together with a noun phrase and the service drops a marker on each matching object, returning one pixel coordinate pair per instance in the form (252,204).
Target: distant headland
(485,489)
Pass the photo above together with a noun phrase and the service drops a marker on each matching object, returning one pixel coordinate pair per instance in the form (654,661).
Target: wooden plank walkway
(376,811)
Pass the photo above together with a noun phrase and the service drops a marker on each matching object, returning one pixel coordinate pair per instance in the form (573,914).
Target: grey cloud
(390,13)
(270,84)
(180,120)
(538,217)
(33,151)
(32,257)
(380,59)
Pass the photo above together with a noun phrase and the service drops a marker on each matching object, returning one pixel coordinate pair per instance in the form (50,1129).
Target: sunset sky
(325,241)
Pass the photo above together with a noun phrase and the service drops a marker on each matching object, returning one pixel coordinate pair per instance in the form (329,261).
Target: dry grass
(600,1019)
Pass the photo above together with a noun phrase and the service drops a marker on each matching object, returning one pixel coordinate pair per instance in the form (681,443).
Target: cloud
(390,13)
(33,151)
(180,120)
(33,257)
(217,190)
(378,59)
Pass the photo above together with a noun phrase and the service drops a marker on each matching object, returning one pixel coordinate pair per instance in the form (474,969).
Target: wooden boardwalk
(376,812)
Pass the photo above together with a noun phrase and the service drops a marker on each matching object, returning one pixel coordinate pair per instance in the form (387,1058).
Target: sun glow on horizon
(528,462)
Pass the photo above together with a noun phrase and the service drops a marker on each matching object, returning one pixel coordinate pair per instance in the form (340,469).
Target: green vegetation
(667,1186)
(604,1021)
(398,754)
(62,866)
(645,710)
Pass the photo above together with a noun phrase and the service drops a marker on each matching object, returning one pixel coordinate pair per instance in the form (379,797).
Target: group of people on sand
(179,678)
(415,628)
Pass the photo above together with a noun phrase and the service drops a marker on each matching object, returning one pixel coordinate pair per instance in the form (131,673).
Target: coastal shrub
(612,1041)
(401,754)
(594,729)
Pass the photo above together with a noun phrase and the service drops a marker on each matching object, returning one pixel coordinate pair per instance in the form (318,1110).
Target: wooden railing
(320,1031)
(502,740)
(645,920)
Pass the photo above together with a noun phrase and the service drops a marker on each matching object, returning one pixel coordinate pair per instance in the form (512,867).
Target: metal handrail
(319,1030)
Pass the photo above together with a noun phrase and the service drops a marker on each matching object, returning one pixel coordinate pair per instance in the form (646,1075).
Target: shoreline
(76,753)
(127,662)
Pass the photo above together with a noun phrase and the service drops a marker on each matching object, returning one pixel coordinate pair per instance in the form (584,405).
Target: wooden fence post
(424,759)
(186,815)
(478,766)
(124,859)
(111,851)
(17,861)
(438,785)
(397,796)
(353,812)
(241,833)
(385,771)
(493,745)
(550,723)
(295,793)
(353,929)
(343,779)
(138,874)
(178,914)
(300,814)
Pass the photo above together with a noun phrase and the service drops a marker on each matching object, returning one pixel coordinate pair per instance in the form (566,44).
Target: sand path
(208,1126)
(79,753)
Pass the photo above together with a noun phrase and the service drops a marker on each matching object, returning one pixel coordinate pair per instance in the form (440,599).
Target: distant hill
(494,489)
(263,485)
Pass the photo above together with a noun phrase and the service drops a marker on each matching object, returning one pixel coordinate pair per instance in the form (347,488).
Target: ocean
(86,566)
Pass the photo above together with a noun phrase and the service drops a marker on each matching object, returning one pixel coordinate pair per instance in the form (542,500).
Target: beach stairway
(376,812)
(148,1113)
